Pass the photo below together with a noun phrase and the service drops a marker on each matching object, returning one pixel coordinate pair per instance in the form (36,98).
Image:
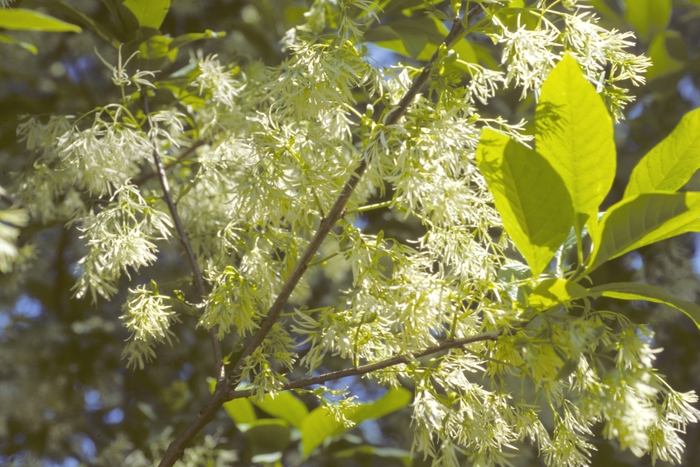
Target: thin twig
(183,154)
(184,239)
(369,368)
(221,394)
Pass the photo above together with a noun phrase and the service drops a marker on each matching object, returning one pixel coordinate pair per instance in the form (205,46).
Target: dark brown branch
(183,154)
(207,413)
(369,368)
(184,239)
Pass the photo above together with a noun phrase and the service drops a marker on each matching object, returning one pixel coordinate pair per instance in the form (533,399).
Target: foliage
(262,172)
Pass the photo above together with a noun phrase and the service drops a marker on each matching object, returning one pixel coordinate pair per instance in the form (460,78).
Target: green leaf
(320,424)
(574,132)
(28,20)
(662,62)
(24,45)
(195,36)
(240,410)
(149,13)
(631,291)
(553,292)
(529,194)
(671,163)
(648,17)
(418,39)
(98,28)
(268,436)
(285,406)
(641,220)
(404,456)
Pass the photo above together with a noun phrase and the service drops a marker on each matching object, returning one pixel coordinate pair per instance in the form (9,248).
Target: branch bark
(370,367)
(223,392)
(184,239)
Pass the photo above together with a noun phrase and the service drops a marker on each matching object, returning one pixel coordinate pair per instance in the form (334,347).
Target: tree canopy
(397,232)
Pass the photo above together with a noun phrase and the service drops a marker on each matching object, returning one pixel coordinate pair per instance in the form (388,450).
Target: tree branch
(184,239)
(369,368)
(221,394)
(184,153)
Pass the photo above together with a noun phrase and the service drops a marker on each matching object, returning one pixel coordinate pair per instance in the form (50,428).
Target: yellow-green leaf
(574,132)
(28,20)
(671,163)
(553,292)
(285,406)
(632,291)
(648,16)
(662,62)
(149,13)
(319,424)
(529,194)
(641,220)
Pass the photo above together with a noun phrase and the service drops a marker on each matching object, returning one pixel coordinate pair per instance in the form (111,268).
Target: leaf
(632,291)
(529,194)
(28,20)
(98,28)
(648,16)
(672,162)
(404,456)
(662,62)
(149,13)
(320,424)
(268,436)
(641,220)
(285,406)
(195,36)
(240,410)
(418,39)
(574,132)
(553,292)
(25,45)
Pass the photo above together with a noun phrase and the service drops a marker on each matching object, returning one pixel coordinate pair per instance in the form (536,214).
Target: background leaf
(648,17)
(671,163)
(529,194)
(574,132)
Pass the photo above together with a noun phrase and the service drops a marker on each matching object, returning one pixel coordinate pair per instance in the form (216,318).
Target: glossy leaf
(285,406)
(530,196)
(574,132)
(642,220)
(632,291)
(149,13)
(671,163)
(648,16)
(320,424)
(28,20)
(553,292)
